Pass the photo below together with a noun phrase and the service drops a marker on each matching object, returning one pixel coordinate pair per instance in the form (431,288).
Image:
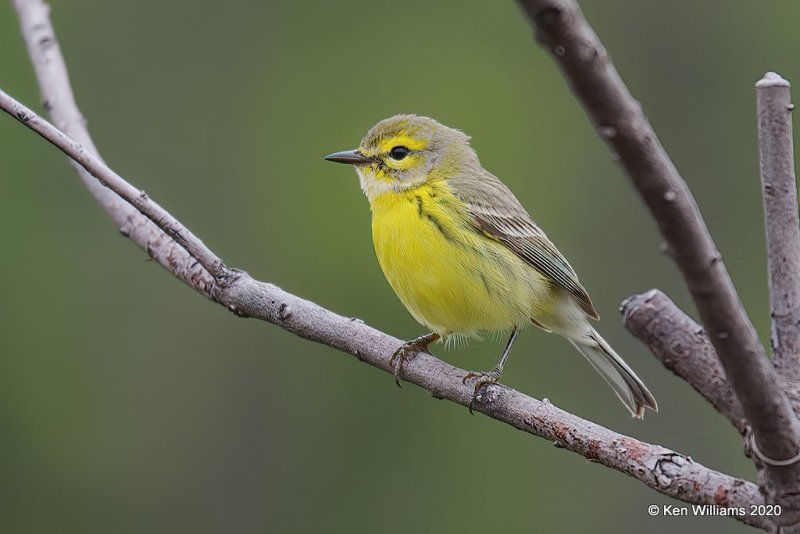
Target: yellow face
(400,155)
(397,152)
(404,151)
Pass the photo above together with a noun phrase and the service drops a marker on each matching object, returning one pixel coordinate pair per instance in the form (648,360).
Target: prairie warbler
(465,257)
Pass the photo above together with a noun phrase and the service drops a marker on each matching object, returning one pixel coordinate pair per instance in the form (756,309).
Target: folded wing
(498,214)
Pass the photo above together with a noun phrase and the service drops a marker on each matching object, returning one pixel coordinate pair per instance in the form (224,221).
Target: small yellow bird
(465,257)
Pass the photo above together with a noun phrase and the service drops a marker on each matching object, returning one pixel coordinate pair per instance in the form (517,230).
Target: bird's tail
(628,387)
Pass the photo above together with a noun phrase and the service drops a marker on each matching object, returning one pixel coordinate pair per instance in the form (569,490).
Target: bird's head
(405,151)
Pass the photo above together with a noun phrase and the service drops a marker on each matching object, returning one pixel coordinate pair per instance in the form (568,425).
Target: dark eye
(399,152)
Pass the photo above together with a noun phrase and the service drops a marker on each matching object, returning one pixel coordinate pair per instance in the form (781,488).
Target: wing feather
(497,213)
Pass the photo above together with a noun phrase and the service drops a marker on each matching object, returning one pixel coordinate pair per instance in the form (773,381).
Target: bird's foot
(407,352)
(481,379)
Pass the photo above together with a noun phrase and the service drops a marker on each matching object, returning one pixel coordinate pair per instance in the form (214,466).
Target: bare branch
(662,469)
(779,191)
(561,28)
(58,99)
(659,468)
(107,177)
(684,348)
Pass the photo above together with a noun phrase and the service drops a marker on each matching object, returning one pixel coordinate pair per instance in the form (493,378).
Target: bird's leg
(408,351)
(490,377)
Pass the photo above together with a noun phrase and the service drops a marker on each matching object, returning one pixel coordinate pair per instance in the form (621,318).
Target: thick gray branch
(684,348)
(662,469)
(561,28)
(779,191)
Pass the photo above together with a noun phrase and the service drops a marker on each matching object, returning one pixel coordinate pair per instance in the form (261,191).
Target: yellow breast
(450,276)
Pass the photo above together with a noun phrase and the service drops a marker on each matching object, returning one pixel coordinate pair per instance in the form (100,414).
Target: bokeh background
(130,404)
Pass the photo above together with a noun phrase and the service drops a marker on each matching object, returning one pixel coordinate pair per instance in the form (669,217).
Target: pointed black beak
(353,157)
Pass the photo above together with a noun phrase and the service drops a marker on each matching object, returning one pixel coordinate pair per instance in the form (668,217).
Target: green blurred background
(129,404)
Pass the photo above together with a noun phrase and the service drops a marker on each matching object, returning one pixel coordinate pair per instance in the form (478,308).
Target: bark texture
(779,193)
(684,348)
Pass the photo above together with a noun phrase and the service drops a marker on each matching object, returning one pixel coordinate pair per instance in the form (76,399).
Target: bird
(465,257)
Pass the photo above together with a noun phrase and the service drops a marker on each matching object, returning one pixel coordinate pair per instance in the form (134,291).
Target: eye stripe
(385,144)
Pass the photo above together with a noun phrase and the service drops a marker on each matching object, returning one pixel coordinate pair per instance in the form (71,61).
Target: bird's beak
(353,157)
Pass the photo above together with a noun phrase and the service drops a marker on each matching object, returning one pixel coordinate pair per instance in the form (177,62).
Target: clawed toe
(489,377)
(470,376)
(399,359)
(407,352)
(481,379)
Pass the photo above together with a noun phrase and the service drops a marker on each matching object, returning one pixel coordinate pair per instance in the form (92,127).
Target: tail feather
(628,387)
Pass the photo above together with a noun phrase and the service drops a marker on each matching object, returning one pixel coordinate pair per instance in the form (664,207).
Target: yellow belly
(452,278)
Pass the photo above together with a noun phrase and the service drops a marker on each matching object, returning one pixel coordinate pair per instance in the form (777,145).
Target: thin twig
(562,29)
(107,177)
(684,348)
(779,191)
(659,468)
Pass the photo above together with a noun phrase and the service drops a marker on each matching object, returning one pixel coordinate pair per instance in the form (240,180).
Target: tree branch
(779,191)
(684,348)
(108,178)
(666,471)
(561,28)
(662,469)
(59,100)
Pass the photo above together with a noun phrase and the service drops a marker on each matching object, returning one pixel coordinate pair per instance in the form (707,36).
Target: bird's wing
(495,210)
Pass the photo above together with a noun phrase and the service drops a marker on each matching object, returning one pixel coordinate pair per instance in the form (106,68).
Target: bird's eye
(399,152)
